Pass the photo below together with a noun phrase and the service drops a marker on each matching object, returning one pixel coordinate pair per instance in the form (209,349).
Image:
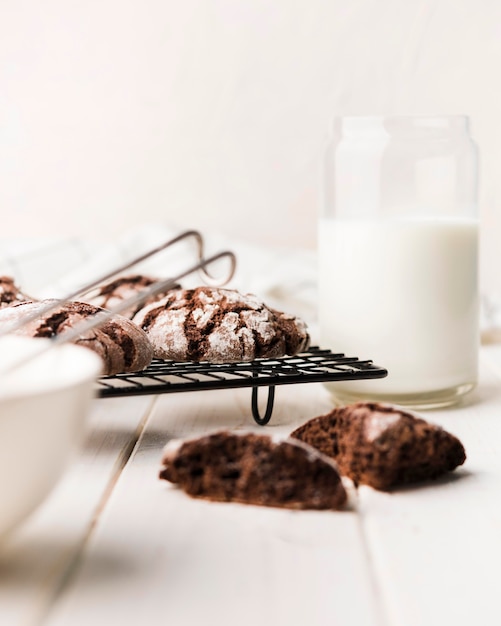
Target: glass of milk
(398,256)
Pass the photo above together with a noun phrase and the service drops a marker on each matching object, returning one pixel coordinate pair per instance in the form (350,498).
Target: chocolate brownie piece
(253,469)
(114,292)
(382,446)
(321,433)
(10,292)
(220,326)
(122,346)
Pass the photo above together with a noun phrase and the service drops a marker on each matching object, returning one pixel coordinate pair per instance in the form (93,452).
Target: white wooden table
(115,545)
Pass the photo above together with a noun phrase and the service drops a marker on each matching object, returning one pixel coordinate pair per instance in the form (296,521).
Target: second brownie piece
(381,445)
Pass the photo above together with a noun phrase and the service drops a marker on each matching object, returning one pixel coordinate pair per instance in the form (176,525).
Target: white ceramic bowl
(43,405)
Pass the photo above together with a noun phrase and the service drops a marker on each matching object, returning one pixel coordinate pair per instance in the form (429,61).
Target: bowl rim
(90,367)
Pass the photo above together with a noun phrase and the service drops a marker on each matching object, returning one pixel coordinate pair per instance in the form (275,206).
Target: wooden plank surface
(116,545)
(158,556)
(35,562)
(436,549)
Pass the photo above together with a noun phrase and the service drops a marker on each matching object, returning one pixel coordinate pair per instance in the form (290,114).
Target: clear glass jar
(398,256)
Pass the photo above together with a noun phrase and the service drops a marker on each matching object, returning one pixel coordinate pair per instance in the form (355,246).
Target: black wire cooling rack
(316,365)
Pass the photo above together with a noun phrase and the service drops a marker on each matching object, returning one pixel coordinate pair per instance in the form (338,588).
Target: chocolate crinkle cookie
(10,293)
(220,326)
(382,446)
(116,291)
(122,346)
(253,469)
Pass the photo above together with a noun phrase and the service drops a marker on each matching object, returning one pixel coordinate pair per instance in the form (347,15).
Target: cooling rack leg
(262,421)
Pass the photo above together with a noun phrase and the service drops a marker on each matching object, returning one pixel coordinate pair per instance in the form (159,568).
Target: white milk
(403,293)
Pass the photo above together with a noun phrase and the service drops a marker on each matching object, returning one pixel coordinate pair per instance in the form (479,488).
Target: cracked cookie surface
(122,346)
(116,291)
(220,326)
(10,292)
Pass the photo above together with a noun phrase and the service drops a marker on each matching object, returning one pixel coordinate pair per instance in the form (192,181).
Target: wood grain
(159,556)
(36,561)
(435,547)
(116,545)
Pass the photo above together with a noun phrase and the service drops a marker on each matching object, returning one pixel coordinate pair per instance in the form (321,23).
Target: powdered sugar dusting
(170,331)
(203,316)
(378,423)
(10,293)
(120,343)
(261,322)
(217,325)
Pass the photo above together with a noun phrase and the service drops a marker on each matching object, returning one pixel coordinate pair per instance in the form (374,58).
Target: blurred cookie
(382,446)
(122,346)
(253,469)
(220,326)
(114,292)
(10,292)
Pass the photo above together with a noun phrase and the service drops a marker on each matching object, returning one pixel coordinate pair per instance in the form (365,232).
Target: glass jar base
(419,401)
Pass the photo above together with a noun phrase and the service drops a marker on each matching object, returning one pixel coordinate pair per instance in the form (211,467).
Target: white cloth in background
(283,278)
(37,263)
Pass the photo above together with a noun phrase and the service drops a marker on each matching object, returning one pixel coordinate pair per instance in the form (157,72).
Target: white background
(213,113)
